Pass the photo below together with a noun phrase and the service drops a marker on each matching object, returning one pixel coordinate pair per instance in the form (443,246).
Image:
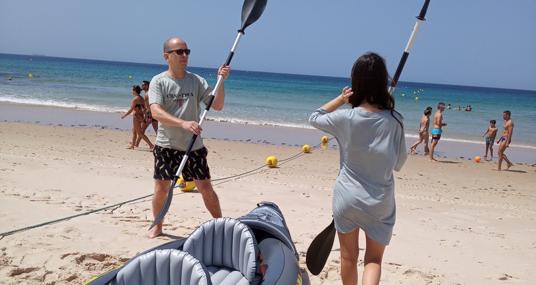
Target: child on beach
(371,138)
(489,136)
(423,132)
(137,105)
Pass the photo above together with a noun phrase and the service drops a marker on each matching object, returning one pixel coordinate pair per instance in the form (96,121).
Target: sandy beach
(458,222)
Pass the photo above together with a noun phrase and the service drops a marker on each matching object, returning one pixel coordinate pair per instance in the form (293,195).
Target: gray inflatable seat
(281,264)
(228,249)
(167,266)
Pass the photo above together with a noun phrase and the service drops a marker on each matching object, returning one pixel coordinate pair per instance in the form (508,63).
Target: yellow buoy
(130,77)
(324,139)
(30,75)
(416,98)
(306,148)
(185,186)
(271,161)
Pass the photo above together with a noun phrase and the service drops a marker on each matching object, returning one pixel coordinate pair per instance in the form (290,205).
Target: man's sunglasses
(180,51)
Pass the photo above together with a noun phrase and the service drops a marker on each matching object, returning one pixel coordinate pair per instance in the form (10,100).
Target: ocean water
(258,97)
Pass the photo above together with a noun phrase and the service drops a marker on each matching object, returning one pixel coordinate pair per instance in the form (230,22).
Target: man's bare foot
(433,159)
(130,147)
(413,151)
(155,231)
(509,165)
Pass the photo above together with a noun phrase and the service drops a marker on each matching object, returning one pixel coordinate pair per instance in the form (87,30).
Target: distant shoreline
(224,130)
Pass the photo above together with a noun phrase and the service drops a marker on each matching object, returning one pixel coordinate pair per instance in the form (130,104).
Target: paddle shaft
(409,46)
(169,197)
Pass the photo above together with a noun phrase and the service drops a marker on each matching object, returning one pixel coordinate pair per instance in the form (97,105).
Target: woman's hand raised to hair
(345,94)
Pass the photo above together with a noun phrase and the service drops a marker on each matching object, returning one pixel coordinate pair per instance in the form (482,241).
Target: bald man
(174,98)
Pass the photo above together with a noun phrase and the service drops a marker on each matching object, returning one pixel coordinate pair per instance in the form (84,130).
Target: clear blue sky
(480,42)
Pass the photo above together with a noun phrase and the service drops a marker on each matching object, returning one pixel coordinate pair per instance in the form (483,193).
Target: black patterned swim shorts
(167,161)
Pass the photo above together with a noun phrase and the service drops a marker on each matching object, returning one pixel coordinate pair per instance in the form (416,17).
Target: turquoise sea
(258,97)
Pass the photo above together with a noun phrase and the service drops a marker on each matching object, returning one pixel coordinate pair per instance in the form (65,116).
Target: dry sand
(458,222)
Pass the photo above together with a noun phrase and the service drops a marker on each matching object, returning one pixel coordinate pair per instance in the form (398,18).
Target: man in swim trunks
(175,98)
(438,128)
(148,117)
(506,138)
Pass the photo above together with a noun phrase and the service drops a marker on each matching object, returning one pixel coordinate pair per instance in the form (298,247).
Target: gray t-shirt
(372,145)
(180,98)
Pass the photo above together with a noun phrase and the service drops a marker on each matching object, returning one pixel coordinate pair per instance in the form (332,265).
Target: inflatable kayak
(253,249)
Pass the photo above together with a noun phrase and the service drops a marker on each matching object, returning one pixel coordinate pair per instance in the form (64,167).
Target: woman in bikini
(137,107)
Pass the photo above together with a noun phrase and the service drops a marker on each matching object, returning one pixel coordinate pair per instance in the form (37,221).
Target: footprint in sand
(506,277)
(19,271)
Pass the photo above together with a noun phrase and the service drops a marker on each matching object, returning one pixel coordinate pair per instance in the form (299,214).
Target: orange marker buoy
(477,159)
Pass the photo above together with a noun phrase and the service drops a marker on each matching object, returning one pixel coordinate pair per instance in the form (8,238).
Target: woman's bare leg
(134,134)
(142,135)
(349,253)
(373,262)
(144,126)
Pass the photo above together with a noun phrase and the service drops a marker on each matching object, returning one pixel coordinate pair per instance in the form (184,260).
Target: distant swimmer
(489,136)
(438,128)
(424,128)
(506,138)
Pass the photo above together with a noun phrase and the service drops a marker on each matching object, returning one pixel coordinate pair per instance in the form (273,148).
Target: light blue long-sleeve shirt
(372,145)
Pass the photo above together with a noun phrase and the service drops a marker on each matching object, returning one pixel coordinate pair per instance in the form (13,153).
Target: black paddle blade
(424,8)
(318,251)
(251,12)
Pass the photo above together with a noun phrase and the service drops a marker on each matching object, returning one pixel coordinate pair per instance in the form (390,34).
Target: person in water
(137,107)
(489,137)
(424,134)
(372,145)
(175,96)
(438,128)
(505,140)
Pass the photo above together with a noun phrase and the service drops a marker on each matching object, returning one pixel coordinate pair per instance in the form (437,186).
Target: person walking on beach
(174,97)
(438,128)
(489,136)
(424,128)
(506,138)
(149,120)
(137,106)
(371,138)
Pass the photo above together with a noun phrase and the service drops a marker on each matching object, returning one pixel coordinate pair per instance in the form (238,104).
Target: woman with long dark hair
(370,136)
(137,107)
